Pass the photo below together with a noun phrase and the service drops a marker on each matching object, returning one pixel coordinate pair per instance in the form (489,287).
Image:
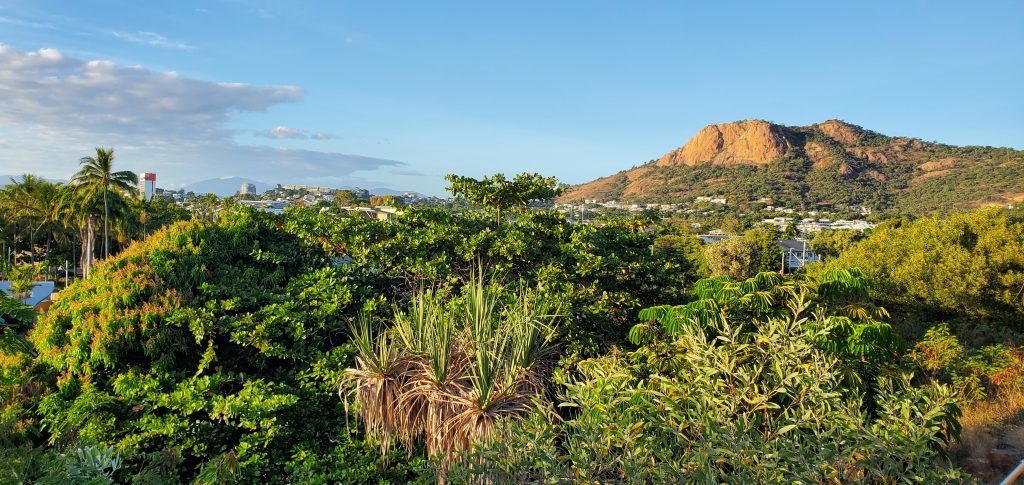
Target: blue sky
(400,93)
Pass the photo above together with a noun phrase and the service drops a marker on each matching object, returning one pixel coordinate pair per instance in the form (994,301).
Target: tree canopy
(501,194)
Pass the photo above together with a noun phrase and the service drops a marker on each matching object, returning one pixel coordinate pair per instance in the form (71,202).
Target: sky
(397,94)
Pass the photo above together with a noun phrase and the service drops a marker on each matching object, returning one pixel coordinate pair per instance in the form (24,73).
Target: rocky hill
(833,163)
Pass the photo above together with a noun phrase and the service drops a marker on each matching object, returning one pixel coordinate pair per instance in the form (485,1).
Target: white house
(796,253)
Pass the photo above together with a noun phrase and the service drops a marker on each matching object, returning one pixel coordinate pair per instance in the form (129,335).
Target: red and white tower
(147,185)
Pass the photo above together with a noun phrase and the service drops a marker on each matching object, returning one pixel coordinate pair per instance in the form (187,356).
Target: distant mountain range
(227,186)
(828,164)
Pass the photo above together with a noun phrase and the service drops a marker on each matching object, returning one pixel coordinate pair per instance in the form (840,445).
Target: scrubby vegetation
(320,346)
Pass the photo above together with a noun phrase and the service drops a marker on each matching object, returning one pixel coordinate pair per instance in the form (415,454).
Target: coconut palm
(83,206)
(38,203)
(97,175)
(22,207)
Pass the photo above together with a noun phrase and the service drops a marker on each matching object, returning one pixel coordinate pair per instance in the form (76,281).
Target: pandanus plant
(450,369)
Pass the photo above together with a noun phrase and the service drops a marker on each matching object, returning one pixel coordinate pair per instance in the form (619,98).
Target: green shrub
(746,402)
(207,349)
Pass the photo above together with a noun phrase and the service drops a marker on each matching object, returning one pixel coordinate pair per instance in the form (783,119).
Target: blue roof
(40,292)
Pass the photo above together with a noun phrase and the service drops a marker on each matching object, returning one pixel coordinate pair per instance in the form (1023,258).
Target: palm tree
(29,201)
(81,206)
(97,175)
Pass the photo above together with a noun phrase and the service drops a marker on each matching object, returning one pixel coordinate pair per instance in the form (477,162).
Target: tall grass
(986,424)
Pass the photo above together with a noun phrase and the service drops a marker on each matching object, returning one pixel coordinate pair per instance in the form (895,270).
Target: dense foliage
(210,348)
(55,225)
(602,275)
(969,264)
(501,194)
(755,398)
(321,346)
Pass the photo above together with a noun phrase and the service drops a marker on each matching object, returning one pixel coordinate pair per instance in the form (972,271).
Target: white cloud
(282,132)
(54,108)
(150,38)
(323,136)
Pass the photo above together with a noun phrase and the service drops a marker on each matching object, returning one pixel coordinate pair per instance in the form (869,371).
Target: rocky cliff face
(829,163)
(749,142)
(840,131)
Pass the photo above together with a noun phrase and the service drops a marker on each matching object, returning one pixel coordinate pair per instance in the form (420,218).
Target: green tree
(205,207)
(687,250)
(830,243)
(960,265)
(210,349)
(385,200)
(735,257)
(97,175)
(345,198)
(82,206)
(502,194)
(33,204)
(791,231)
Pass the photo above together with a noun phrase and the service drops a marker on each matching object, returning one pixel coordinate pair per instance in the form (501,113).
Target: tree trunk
(88,246)
(49,239)
(499,216)
(106,226)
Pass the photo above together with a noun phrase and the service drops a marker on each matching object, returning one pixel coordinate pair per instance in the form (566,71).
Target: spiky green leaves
(455,366)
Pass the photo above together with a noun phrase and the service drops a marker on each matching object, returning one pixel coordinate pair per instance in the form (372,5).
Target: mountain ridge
(832,163)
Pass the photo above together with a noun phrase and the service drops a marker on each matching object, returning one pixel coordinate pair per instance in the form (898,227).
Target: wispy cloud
(150,38)
(25,23)
(282,132)
(56,108)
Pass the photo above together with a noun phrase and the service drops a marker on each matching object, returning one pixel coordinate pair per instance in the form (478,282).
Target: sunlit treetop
(501,194)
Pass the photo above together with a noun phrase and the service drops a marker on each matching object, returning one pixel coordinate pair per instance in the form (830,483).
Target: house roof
(794,245)
(40,292)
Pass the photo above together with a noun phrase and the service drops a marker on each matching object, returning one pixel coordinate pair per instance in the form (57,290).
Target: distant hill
(224,186)
(833,163)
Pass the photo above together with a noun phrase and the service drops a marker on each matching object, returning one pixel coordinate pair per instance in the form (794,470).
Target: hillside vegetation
(828,164)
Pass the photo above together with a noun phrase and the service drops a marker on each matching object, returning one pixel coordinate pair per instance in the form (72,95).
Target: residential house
(796,253)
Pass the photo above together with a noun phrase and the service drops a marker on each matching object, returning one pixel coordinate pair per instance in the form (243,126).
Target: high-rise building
(247,188)
(147,185)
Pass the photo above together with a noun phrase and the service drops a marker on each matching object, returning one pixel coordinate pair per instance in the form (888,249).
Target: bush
(961,265)
(209,348)
(723,404)
(735,258)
